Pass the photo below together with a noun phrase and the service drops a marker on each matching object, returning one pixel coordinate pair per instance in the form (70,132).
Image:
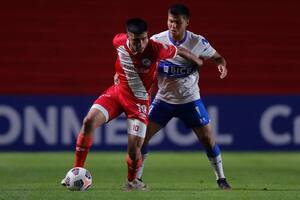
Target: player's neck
(178,39)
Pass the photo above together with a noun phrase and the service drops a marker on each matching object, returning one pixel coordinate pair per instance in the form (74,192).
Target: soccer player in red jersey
(135,67)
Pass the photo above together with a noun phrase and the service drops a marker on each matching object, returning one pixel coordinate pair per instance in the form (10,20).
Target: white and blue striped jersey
(178,78)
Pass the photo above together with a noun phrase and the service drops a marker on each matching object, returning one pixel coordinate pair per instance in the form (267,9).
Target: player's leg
(160,114)
(93,120)
(105,108)
(197,118)
(206,137)
(136,135)
(152,129)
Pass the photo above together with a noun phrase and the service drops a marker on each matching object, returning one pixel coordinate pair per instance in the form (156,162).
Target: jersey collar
(177,43)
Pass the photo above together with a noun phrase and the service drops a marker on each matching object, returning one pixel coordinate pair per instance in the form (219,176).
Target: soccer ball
(78,179)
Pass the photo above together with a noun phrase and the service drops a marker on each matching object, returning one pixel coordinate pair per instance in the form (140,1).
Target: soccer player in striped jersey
(178,91)
(136,66)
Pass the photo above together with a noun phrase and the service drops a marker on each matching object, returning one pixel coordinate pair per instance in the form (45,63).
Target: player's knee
(207,136)
(209,141)
(89,123)
(134,152)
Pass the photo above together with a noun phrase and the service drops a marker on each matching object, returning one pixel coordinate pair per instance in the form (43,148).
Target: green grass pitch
(170,176)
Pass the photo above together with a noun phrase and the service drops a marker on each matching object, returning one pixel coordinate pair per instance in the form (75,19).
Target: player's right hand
(223,70)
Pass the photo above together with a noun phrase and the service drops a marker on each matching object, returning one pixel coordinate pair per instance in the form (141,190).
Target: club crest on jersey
(205,41)
(146,62)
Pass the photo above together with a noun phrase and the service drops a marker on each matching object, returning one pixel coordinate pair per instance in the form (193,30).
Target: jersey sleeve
(119,39)
(203,48)
(165,51)
(154,38)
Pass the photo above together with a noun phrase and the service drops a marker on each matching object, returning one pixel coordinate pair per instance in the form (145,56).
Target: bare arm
(189,55)
(221,63)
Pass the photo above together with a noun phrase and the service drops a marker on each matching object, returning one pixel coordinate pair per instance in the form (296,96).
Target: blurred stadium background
(56,57)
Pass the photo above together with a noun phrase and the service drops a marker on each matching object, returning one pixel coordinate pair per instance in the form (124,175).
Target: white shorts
(136,127)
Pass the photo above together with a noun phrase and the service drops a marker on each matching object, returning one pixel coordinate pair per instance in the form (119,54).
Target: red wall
(64,46)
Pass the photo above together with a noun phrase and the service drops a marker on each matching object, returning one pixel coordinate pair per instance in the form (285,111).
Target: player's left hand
(223,70)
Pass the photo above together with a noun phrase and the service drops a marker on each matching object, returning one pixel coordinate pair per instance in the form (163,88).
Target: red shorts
(116,100)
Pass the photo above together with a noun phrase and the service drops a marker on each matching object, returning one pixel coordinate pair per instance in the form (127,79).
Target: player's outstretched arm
(189,55)
(221,63)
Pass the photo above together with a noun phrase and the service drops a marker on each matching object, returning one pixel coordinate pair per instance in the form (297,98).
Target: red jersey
(136,72)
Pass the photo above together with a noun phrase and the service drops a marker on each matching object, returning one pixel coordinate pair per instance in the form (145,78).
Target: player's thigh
(96,116)
(160,113)
(136,127)
(109,104)
(193,114)
(136,133)
(93,120)
(204,131)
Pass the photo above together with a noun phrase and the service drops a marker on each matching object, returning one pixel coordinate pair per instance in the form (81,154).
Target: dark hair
(136,26)
(179,9)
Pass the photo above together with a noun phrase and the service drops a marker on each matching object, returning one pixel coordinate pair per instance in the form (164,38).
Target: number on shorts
(142,108)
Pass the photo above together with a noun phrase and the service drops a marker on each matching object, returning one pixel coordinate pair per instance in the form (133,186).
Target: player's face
(177,26)
(137,42)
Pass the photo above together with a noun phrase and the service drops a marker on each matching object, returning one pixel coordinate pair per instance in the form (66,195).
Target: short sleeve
(165,51)
(154,38)
(203,48)
(119,39)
